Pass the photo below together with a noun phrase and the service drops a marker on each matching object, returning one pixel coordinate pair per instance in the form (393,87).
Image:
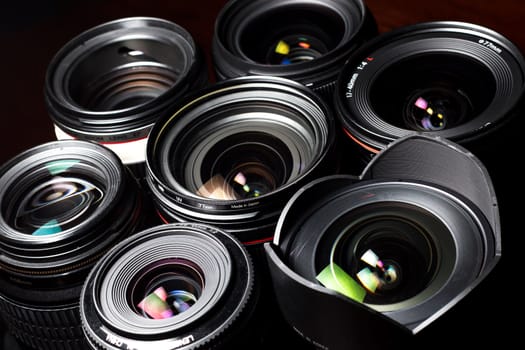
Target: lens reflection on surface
(167,288)
(58,201)
(436,109)
(295,49)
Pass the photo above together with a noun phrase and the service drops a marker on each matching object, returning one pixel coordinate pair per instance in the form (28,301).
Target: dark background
(32,32)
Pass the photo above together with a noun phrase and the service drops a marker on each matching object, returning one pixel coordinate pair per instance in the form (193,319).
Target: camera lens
(62,205)
(307,41)
(386,252)
(173,285)
(450,79)
(231,155)
(391,256)
(110,83)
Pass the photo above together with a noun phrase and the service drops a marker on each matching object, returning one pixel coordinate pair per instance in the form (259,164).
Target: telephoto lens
(171,286)
(63,204)
(110,83)
(304,40)
(454,80)
(368,262)
(232,154)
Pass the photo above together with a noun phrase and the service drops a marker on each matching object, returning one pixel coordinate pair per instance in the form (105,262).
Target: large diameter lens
(307,41)
(232,154)
(455,80)
(387,252)
(110,83)
(172,286)
(62,205)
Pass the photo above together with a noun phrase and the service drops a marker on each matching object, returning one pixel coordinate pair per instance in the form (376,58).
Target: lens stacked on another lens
(63,204)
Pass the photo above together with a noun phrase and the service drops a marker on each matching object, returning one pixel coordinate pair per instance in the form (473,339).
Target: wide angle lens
(455,80)
(232,154)
(110,83)
(307,41)
(62,205)
(387,252)
(181,285)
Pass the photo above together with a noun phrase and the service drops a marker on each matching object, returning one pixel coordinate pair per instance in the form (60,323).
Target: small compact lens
(110,83)
(231,155)
(307,41)
(62,205)
(171,286)
(451,79)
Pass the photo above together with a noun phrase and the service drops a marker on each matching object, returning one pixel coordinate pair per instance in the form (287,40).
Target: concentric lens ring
(212,259)
(221,307)
(232,154)
(476,68)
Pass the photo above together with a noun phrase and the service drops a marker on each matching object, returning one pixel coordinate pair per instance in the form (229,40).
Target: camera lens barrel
(170,286)
(63,204)
(110,83)
(389,251)
(232,154)
(455,80)
(306,41)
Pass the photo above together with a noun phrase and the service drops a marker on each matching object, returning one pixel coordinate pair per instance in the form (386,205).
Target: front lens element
(231,154)
(168,286)
(59,200)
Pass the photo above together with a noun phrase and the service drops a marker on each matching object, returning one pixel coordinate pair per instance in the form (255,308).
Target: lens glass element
(59,199)
(391,259)
(167,288)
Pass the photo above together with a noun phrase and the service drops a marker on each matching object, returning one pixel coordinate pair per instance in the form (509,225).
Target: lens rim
(127,123)
(226,297)
(59,256)
(319,74)
(486,47)
(324,201)
(297,111)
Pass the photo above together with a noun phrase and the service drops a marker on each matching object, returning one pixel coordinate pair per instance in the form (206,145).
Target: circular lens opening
(244,165)
(167,288)
(126,74)
(433,91)
(392,258)
(292,34)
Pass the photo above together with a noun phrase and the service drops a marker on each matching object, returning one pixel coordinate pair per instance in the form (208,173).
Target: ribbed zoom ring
(44,329)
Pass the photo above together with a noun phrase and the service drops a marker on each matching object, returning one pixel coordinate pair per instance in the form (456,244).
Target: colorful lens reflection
(161,304)
(61,199)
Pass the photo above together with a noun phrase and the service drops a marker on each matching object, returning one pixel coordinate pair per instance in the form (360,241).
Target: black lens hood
(476,51)
(230,60)
(469,247)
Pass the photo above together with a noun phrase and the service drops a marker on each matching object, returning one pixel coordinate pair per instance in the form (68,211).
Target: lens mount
(110,83)
(231,155)
(305,41)
(450,79)
(126,298)
(62,205)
